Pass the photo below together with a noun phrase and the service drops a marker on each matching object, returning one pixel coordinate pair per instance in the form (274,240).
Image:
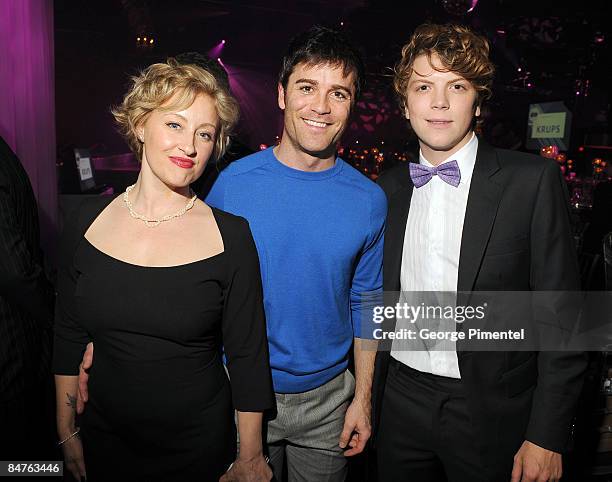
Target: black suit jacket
(26,297)
(516,237)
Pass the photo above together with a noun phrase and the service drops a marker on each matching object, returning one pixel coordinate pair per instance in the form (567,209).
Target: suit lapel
(394,236)
(399,205)
(483,201)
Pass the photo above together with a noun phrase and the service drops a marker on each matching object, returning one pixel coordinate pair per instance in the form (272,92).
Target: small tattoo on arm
(71,401)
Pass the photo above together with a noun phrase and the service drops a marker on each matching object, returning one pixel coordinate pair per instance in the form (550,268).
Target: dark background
(564,47)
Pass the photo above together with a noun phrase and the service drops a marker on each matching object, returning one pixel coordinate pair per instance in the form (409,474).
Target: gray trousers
(306,432)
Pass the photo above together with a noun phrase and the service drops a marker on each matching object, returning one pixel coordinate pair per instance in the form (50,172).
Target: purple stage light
(459,8)
(260,116)
(215,52)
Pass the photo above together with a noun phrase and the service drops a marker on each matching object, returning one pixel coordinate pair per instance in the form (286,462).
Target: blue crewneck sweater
(319,236)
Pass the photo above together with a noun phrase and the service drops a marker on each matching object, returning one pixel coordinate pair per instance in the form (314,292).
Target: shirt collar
(465,157)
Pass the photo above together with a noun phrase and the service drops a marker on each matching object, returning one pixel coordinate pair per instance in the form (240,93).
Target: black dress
(161,406)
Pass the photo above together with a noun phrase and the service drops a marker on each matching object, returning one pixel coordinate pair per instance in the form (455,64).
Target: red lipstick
(183,162)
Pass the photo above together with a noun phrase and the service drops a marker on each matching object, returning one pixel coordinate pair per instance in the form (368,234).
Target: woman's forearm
(65,396)
(249,428)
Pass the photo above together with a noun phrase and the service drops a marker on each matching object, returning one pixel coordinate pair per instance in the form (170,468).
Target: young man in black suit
(468,218)
(26,316)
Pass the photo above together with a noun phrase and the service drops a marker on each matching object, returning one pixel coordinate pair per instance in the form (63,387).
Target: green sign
(548,126)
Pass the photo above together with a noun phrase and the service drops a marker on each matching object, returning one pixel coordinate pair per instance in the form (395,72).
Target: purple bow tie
(449,172)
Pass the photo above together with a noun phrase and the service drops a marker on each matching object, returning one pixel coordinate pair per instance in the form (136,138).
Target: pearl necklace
(151,223)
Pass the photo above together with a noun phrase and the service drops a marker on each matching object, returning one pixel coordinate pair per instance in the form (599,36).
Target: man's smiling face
(317,104)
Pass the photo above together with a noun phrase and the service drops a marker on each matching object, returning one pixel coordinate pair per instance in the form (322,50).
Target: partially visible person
(469,217)
(601,220)
(206,63)
(160,282)
(26,316)
(236,149)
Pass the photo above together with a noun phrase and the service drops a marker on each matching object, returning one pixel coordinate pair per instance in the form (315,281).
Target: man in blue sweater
(318,225)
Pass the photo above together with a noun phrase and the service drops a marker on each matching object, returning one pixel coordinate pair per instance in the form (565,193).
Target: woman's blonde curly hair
(159,83)
(460,51)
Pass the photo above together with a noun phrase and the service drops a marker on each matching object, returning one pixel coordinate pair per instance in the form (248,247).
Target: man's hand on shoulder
(82,393)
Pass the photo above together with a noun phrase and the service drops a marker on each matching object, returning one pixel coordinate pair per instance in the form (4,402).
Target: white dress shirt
(430,259)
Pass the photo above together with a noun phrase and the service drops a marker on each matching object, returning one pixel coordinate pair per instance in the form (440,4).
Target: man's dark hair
(208,64)
(321,45)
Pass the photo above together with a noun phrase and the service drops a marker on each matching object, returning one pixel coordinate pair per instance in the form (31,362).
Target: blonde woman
(159,282)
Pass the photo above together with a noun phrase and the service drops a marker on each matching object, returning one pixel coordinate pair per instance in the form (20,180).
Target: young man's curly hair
(460,51)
